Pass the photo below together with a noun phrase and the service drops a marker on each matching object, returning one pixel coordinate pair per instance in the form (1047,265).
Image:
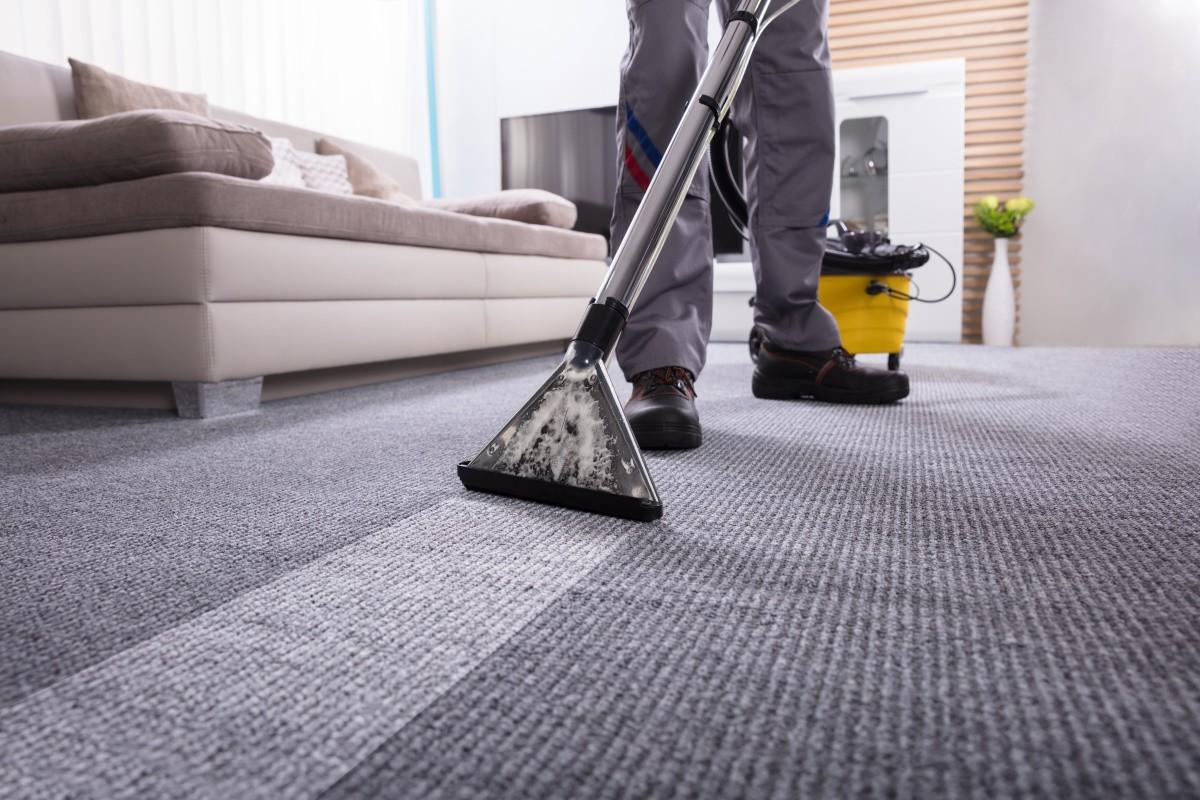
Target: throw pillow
(286,171)
(534,206)
(99,93)
(324,173)
(367,179)
(125,147)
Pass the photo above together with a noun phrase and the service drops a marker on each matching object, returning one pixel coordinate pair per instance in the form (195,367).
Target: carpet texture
(987,590)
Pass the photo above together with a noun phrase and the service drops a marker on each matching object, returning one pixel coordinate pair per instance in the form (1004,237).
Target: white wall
(468,123)
(515,58)
(1111,255)
(555,56)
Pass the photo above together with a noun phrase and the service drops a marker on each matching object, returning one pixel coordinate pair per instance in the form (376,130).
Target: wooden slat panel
(1001,112)
(993,37)
(867,25)
(1009,29)
(982,89)
(1010,123)
(977,151)
(1007,75)
(976,164)
(1012,135)
(885,10)
(1009,99)
(977,66)
(949,47)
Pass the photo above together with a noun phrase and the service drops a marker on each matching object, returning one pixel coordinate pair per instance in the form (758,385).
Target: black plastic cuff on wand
(602,325)
(746,17)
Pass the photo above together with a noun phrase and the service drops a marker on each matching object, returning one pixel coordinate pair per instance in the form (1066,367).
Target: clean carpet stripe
(285,688)
(117,526)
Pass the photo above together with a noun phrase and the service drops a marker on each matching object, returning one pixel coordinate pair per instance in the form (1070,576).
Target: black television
(574,154)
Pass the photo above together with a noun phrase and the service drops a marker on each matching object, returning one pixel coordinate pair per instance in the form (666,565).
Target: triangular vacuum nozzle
(570,445)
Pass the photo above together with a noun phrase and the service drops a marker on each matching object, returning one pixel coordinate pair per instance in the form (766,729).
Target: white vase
(999,312)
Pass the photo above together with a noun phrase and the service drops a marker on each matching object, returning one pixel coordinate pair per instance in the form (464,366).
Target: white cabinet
(905,126)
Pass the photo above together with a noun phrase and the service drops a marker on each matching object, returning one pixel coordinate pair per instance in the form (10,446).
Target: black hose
(916,298)
(724,182)
(729,192)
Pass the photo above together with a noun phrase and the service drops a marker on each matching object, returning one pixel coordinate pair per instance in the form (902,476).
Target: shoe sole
(668,437)
(802,389)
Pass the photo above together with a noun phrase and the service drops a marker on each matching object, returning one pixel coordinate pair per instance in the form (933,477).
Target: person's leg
(670,322)
(784,108)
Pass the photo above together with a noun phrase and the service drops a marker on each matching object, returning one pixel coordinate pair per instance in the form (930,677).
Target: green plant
(1002,219)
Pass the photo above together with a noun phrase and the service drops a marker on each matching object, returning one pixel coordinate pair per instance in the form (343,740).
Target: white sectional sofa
(208,293)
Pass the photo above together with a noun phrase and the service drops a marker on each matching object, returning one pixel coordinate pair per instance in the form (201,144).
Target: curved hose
(724,182)
(916,298)
(728,191)
(776,15)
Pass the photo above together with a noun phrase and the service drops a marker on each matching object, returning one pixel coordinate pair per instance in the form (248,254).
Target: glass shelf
(863,172)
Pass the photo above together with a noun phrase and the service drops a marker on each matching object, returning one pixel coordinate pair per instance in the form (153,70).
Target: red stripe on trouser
(635,169)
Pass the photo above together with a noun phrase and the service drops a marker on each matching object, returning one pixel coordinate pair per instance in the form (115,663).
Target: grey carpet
(989,590)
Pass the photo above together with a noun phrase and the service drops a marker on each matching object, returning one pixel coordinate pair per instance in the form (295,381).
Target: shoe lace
(839,358)
(678,377)
(844,358)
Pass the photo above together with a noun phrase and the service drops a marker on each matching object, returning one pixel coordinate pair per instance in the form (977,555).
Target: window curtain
(351,68)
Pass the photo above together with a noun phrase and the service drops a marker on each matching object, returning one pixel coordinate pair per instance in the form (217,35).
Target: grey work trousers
(785,110)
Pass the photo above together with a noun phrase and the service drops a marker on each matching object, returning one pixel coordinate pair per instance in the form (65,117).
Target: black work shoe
(662,409)
(831,375)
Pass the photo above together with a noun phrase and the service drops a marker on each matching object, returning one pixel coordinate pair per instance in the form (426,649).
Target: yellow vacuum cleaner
(867,284)
(866,281)
(870,320)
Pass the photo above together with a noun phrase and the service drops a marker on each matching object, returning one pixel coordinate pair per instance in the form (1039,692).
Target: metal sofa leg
(197,400)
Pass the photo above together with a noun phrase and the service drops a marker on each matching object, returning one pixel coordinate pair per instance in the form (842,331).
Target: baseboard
(158,395)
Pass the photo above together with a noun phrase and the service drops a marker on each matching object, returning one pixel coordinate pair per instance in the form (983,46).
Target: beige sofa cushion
(203,265)
(99,93)
(193,198)
(224,341)
(127,146)
(535,206)
(365,177)
(228,341)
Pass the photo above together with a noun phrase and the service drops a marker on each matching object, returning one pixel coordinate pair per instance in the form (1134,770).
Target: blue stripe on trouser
(643,138)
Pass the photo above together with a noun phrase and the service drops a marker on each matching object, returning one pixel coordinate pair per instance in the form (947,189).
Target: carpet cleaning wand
(571,445)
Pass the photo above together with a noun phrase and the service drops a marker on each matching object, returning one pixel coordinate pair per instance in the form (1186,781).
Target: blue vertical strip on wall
(435,158)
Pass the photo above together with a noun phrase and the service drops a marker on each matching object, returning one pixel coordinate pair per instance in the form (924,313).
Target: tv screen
(574,154)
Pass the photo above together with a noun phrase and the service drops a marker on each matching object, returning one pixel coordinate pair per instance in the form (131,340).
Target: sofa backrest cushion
(128,146)
(99,93)
(33,91)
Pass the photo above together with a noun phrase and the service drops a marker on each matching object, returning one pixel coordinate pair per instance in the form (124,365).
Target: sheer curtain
(352,68)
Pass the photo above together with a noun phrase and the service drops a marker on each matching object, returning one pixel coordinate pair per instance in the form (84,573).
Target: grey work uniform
(785,109)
